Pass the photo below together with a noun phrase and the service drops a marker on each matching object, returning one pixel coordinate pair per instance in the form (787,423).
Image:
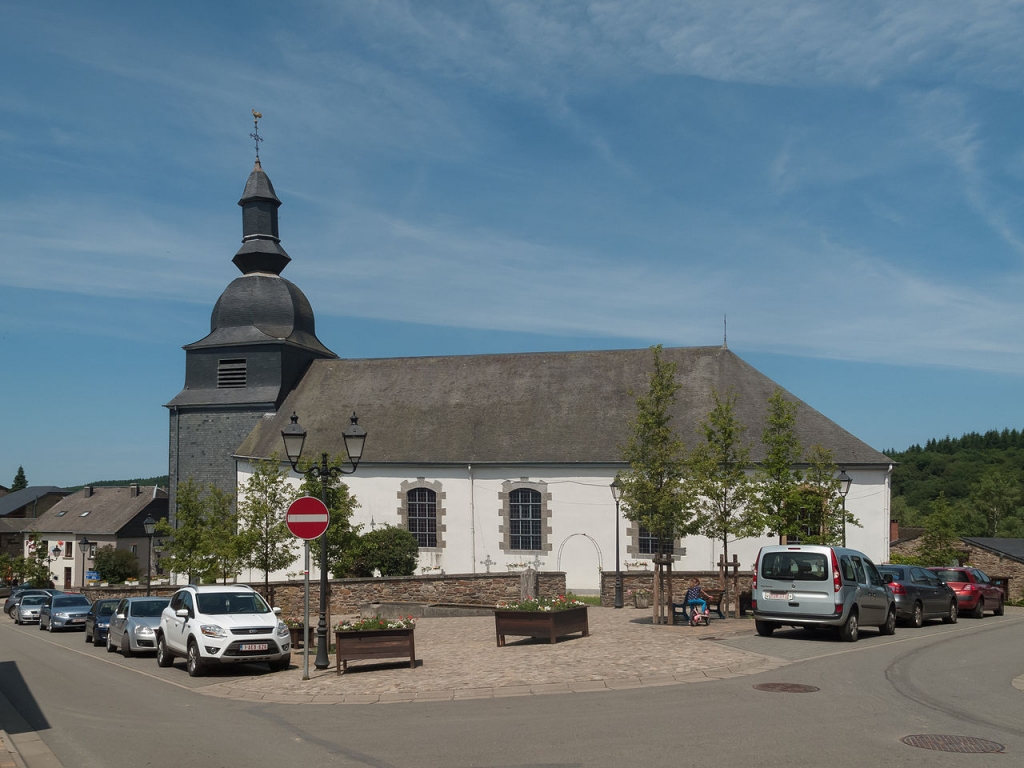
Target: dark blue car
(97,621)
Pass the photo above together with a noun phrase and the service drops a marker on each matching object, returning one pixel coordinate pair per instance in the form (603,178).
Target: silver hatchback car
(133,623)
(806,585)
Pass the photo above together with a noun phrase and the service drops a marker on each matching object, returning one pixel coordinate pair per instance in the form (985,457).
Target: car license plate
(76,621)
(777,596)
(253,647)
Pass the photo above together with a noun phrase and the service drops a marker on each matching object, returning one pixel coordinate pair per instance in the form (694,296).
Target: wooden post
(723,570)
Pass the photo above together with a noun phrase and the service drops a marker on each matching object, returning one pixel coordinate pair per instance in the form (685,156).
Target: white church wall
(581,519)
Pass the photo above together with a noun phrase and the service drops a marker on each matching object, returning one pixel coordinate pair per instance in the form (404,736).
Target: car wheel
(954,612)
(1000,610)
(889,628)
(96,641)
(17,620)
(126,646)
(979,609)
(850,631)
(194,663)
(49,626)
(917,617)
(88,637)
(164,658)
(764,628)
(110,644)
(41,627)
(12,613)
(281,664)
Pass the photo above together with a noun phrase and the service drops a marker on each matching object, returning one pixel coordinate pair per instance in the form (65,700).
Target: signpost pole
(305,621)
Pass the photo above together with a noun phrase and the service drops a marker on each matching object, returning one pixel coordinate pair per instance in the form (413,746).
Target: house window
(422,506)
(231,374)
(68,549)
(526,517)
(647,543)
(421,512)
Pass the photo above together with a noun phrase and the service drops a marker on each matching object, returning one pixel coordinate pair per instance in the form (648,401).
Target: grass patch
(588,599)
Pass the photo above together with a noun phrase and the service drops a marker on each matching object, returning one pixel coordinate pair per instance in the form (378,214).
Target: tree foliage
(264,541)
(718,477)
(778,477)
(115,565)
(820,508)
(20,482)
(390,550)
(653,493)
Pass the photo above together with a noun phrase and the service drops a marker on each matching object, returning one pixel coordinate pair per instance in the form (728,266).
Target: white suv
(223,624)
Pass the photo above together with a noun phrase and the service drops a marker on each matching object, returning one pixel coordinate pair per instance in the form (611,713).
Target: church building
(490,460)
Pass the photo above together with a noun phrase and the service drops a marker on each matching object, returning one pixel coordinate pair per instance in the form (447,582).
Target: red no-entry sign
(307,517)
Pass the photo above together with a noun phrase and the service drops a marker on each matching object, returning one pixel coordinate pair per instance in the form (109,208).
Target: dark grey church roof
(1012,548)
(537,408)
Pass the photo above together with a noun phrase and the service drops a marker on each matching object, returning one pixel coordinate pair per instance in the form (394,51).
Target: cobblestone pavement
(458,658)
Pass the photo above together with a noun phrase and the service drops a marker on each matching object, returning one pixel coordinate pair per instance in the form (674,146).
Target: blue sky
(844,182)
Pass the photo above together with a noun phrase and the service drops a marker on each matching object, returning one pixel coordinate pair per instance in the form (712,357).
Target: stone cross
(536,562)
(488,563)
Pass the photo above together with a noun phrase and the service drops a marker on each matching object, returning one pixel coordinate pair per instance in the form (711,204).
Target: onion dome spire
(261,249)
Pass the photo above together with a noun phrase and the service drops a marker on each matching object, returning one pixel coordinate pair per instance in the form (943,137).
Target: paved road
(95,709)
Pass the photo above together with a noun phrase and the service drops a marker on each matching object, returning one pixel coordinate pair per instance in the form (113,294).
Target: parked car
(64,611)
(227,624)
(133,626)
(920,594)
(11,603)
(27,610)
(97,620)
(975,591)
(808,585)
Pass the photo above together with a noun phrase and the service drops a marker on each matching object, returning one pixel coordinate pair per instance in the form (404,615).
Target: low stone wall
(995,566)
(633,580)
(347,595)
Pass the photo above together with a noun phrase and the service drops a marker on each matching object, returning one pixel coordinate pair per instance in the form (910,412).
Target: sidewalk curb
(9,753)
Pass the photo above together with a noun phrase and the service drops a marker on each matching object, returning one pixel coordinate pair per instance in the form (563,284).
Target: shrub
(392,551)
(115,565)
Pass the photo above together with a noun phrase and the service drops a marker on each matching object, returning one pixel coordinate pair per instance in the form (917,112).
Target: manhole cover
(952,743)
(786,688)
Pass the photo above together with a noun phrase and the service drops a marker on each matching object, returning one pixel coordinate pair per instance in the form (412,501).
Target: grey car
(11,603)
(920,594)
(133,624)
(64,611)
(27,611)
(806,585)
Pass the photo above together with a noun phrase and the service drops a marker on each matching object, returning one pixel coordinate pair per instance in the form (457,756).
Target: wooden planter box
(543,625)
(374,644)
(298,636)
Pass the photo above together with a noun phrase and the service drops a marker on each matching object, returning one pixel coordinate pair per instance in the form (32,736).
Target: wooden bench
(714,601)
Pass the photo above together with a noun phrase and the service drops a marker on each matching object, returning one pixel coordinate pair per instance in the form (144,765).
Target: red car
(975,592)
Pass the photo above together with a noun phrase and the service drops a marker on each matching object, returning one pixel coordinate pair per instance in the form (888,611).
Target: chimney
(133,490)
(88,491)
(894,530)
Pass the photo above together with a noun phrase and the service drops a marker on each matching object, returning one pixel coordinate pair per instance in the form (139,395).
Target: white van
(807,585)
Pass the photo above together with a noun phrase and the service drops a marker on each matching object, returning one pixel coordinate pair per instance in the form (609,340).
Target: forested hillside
(979,476)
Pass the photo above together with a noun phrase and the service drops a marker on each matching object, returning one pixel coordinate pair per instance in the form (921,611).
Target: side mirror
(119,615)
(277,611)
(181,613)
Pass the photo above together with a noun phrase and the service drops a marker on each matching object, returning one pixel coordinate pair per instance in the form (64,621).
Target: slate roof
(1011,548)
(536,408)
(110,509)
(14,524)
(17,499)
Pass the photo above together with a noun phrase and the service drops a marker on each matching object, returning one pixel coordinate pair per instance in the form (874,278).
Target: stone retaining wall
(347,595)
(633,580)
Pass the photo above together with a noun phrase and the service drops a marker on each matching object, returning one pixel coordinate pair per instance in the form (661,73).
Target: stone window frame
(633,544)
(439,496)
(505,515)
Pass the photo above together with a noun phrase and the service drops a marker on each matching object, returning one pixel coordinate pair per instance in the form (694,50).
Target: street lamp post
(84,544)
(149,524)
(617,494)
(845,481)
(54,554)
(294,436)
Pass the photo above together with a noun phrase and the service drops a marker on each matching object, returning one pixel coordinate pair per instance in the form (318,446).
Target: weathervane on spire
(255,135)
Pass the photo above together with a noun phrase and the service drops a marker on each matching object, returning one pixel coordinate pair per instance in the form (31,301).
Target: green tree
(114,564)
(187,545)
(940,542)
(341,534)
(777,477)
(389,549)
(997,496)
(221,534)
(823,515)
(20,482)
(718,476)
(652,491)
(33,569)
(264,541)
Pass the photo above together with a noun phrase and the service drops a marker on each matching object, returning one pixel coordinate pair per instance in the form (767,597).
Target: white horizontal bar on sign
(307,518)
